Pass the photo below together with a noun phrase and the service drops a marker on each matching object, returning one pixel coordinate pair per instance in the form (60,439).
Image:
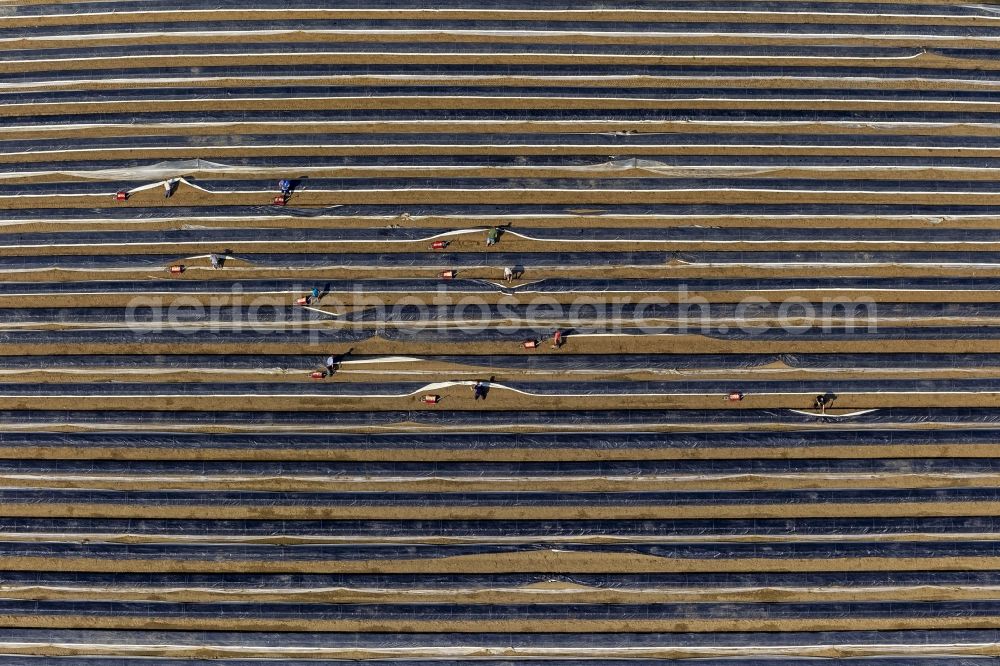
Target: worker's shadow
(484,387)
(517,271)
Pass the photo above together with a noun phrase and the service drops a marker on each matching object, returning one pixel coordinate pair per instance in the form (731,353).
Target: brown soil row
(524,454)
(465,651)
(540,15)
(540,561)
(596,38)
(480,127)
(741,482)
(495,624)
(514,596)
(173,539)
(46,373)
(747,511)
(460,399)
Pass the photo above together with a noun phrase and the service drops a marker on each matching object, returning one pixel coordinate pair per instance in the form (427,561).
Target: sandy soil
(541,561)
(460,398)
(112,452)
(556,594)
(362,128)
(583,209)
(200,623)
(691,482)
(821,651)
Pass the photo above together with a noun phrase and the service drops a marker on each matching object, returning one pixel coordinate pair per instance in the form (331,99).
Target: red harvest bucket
(530,344)
(177,269)
(121,196)
(302,301)
(448,275)
(319,374)
(279,201)
(431,399)
(439,245)
(735,396)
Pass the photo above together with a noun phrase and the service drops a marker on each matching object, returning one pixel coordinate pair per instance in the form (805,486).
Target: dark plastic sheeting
(520,640)
(562,361)
(859,439)
(434,89)
(75,7)
(149,420)
(459,286)
(430,612)
(631,469)
(464,212)
(506,318)
(531,261)
(181,498)
(390,582)
(319,338)
(823,551)
(541,530)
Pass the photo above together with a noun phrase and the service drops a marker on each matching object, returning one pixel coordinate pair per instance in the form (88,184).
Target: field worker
(216,262)
(330,362)
(493,236)
(508,274)
(821,403)
(286,187)
(557,339)
(315,292)
(479,391)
